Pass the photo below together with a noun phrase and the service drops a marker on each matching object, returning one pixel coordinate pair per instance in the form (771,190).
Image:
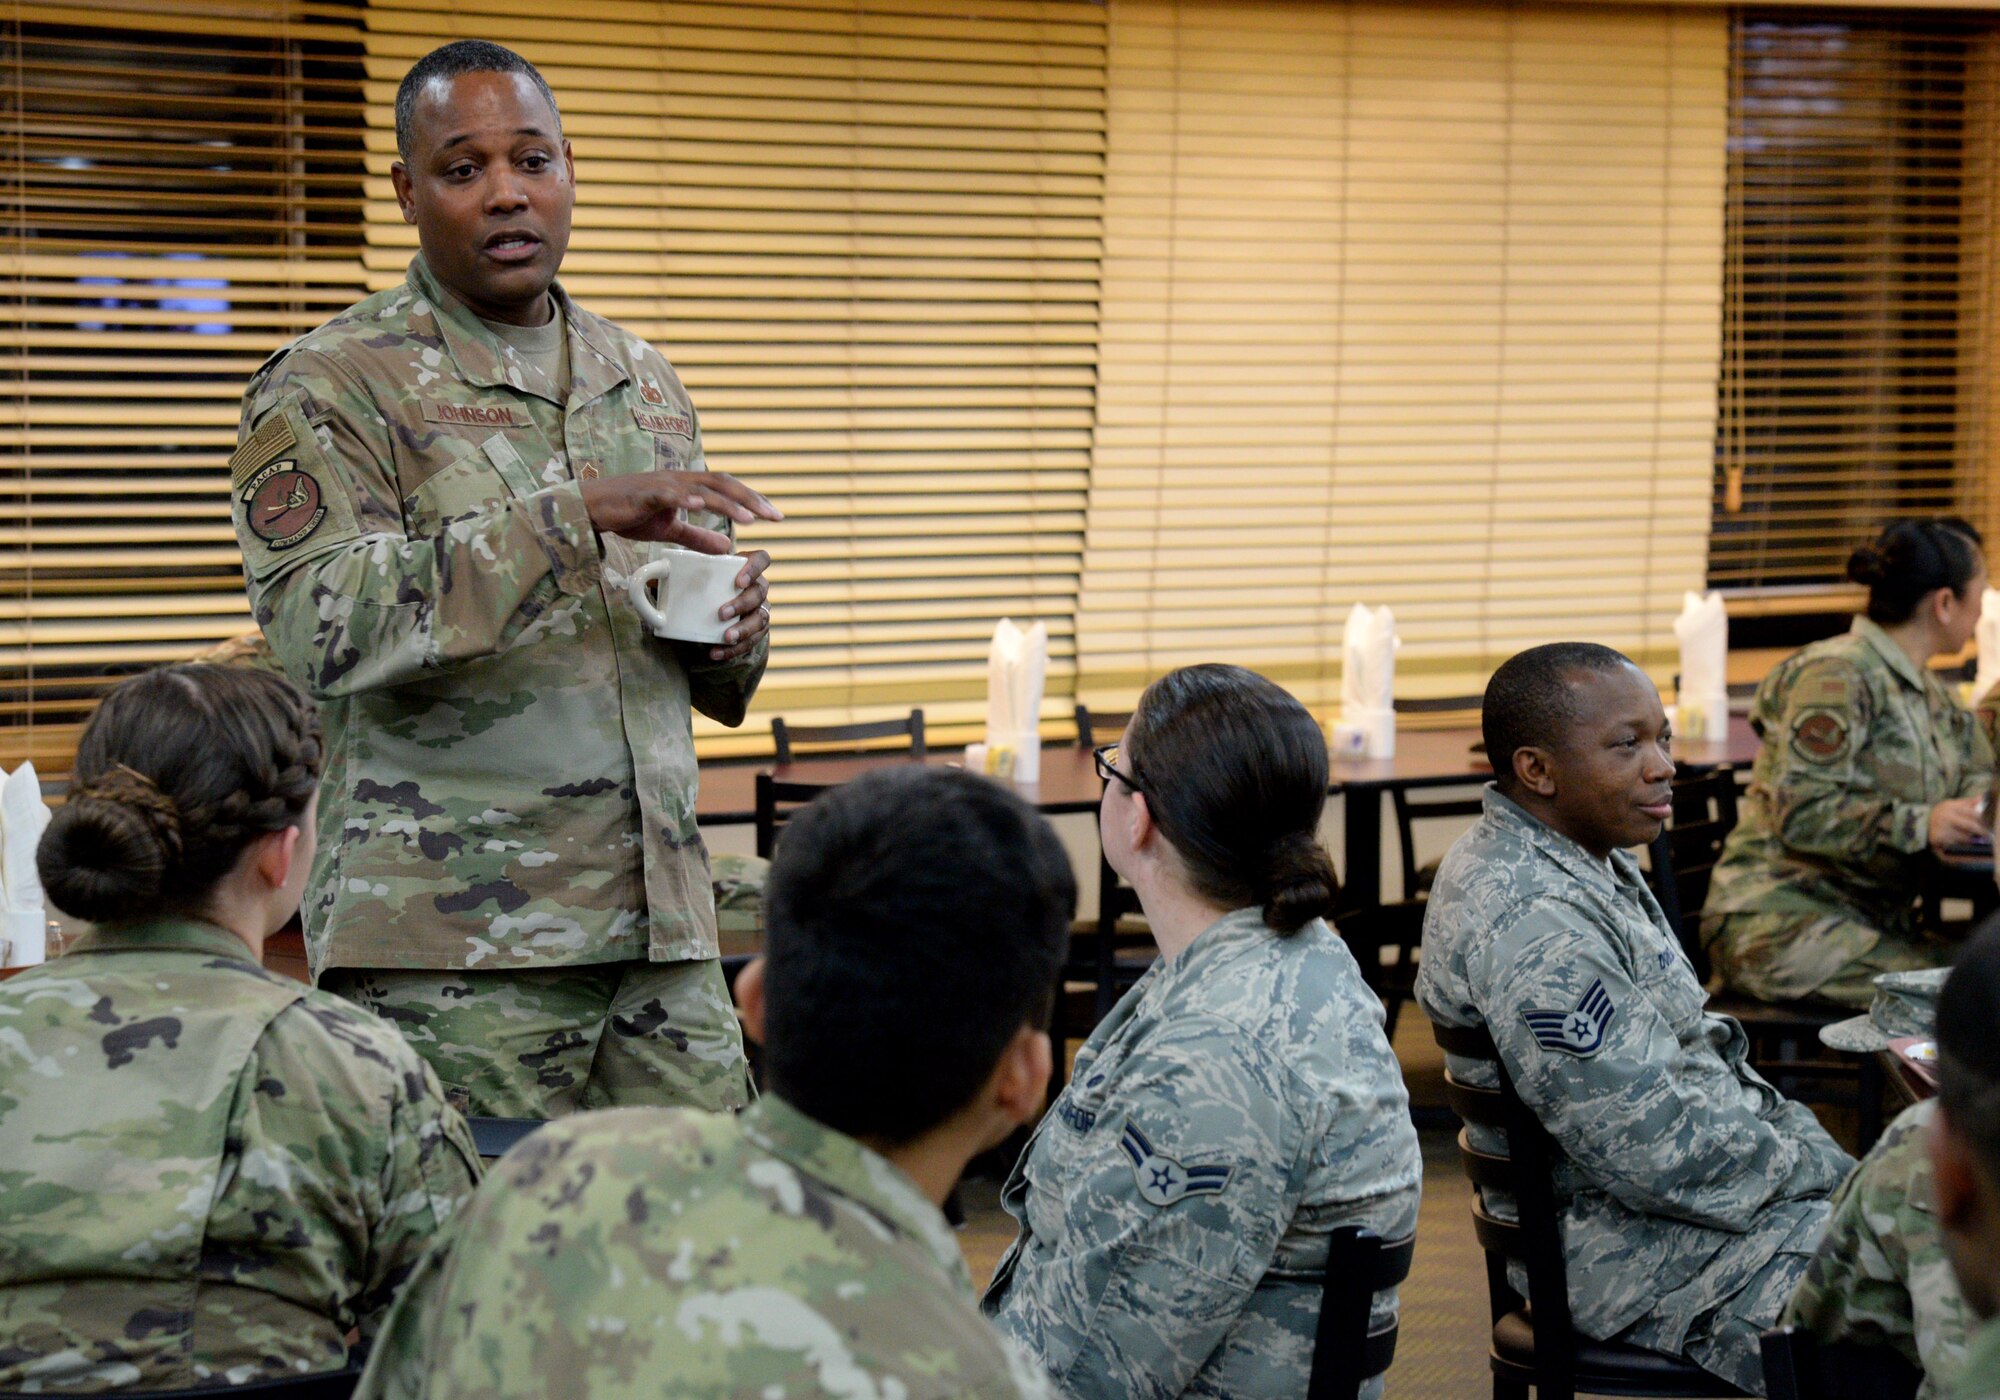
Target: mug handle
(642,598)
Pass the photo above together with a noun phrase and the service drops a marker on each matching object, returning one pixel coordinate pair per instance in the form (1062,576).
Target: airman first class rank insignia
(1162,1181)
(1578,1032)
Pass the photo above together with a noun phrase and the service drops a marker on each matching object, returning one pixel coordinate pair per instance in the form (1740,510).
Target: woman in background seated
(208,1173)
(1866,761)
(1238,1104)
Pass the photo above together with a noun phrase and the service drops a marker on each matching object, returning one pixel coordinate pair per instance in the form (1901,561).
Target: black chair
(1346,1355)
(1797,1367)
(784,735)
(1784,1036)
(495,1137)
(1413,807)
(776,802)
(1398,925)
(321,1385)
(1534,1343)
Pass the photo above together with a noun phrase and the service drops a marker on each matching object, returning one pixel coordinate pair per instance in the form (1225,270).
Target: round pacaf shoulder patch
(1820,736)
(282,505)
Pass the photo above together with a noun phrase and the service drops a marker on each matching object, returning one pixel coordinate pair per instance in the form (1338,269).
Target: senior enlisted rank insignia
(1162,1180)
(1577,1032)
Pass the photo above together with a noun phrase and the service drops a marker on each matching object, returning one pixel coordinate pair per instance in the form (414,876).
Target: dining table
(1068,783)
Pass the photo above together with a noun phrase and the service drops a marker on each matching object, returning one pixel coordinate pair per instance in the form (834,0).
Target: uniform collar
(163,935)
(1233,932)
(1898,659)
(1510,816)
(595,365)
(840,1164)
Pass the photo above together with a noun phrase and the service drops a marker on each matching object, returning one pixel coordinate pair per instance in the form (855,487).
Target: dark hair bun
(1301,886)
(103,860)
(1866,566)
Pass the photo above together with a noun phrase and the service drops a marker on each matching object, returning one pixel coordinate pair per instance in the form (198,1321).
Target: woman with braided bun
(1867,763)
(208,1172)
(1238,1104)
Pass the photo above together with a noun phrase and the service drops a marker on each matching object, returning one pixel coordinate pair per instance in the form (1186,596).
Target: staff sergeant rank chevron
(1163,1181)
(1579,1032)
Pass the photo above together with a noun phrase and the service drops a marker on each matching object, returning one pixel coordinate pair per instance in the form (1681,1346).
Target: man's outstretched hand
(653,505)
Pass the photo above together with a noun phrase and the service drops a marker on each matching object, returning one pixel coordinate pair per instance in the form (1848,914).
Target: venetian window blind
(867,236)
(1857,370)
(1407,304)
(183,192)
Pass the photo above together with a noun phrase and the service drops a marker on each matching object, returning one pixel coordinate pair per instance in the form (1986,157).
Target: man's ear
(569,161)
(1533,770)
(399,176)
(750,999)
(272,855)
(1954,1178)
(1021,1078)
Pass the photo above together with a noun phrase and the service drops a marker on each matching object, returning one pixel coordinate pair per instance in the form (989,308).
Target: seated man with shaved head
(1691,1192)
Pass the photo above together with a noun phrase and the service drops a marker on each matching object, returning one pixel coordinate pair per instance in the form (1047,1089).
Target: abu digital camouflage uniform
(1236,1106)
(647,1252)
(1817,887)
(510,779)
(1880,1276)
(208,1172)
(1690,1190)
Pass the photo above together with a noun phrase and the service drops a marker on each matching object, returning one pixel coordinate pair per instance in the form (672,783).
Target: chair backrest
(1412,808)
(1684,855)
(1107,723)
(785,736)
(1526,1172)
(495,1137)
(776,802)
(1797,1367)
(320,1385)
(1346,1355)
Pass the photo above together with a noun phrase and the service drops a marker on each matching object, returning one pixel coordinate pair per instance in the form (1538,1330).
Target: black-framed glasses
(1106,756)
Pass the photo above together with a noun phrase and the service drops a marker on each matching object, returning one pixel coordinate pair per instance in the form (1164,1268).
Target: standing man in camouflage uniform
(1880,1276)
(1691,1191)
(209,1173)
(799,1249)
(440,495)
(1867,761)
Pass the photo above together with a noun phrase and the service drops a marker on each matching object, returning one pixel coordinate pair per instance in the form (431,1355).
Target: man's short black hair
(916,920)
(459,57)
(1529,703)
(1968,1050)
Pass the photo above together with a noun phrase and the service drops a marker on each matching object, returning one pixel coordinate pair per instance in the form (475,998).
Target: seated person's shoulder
(1830,674)
(340,1039)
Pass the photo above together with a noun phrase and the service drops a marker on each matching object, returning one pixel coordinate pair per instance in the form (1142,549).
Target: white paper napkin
(1017,667)
(1368,679)
(1987,637)
(23,818)
(1702,703)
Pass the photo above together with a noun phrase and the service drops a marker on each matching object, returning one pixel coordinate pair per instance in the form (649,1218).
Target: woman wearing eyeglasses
(1238,1104)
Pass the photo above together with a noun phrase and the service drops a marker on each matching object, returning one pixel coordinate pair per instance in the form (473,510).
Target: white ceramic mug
(693,588)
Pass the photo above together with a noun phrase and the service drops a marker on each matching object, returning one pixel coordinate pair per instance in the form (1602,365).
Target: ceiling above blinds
(1405,305)
(1859,277)
(183,196)
(868,239)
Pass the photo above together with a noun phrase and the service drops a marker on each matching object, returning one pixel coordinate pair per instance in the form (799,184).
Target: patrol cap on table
(1905,1004)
